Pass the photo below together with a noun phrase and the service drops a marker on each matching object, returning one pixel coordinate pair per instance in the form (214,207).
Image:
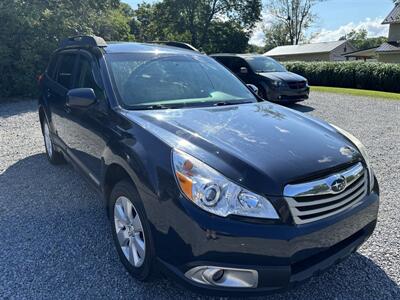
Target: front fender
(146,160)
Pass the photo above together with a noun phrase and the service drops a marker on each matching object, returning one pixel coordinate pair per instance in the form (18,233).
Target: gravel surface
(55,241)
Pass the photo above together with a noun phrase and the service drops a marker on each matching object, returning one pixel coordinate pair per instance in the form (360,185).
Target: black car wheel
(52,154)
(131,231)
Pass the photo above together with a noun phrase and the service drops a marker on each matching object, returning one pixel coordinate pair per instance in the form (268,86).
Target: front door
(87,129)
(57,92)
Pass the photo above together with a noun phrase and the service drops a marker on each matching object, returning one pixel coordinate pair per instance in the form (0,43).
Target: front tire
(131,231)
(52,154)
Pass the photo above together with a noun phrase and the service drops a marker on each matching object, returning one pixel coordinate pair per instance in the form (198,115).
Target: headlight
(363,152)
(276,83)
(216,194)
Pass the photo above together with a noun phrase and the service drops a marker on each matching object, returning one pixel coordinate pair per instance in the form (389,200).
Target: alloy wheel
(129,230)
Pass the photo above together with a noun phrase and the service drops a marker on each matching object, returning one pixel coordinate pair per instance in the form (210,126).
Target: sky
(335,18)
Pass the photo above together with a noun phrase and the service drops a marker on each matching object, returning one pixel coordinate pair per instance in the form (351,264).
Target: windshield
(263,64)
(148,80)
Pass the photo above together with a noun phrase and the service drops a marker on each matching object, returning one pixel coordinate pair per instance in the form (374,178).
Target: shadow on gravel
(12,108)
(54,233)
(301,107)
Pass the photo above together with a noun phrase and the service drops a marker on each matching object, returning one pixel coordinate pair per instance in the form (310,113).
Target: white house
(326,51)
(390,52)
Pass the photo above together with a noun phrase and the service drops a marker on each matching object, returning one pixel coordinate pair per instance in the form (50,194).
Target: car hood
(262,146)
(284,76)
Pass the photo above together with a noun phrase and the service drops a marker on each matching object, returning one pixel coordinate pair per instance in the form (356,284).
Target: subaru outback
(201,178)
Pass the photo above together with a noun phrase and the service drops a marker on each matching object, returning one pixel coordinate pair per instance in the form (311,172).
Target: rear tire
(54,157)
(131,231)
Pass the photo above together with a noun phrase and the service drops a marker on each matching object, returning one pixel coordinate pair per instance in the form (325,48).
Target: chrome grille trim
(323,186)
(307,208)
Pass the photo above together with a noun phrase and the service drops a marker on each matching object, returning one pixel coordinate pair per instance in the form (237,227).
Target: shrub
(359,75)
(31,30)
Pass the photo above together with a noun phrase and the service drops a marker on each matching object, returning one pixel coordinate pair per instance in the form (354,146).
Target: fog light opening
(218,275)
(224,277)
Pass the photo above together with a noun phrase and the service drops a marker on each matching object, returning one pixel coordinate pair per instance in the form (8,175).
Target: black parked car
(202,179)
(273,81)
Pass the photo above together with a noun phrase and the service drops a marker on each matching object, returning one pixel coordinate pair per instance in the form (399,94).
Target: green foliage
(361,41)
(368,76)
(209,25)
(31,32)
(226,37)
(293,18)
(114,26)
(276,35)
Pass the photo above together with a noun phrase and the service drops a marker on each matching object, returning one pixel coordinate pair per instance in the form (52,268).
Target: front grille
(312,201)
(297,85)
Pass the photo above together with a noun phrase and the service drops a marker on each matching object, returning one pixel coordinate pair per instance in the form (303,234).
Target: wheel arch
(113,174)
(116,170)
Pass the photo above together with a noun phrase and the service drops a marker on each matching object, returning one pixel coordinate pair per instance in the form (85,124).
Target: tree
(196,18)
(226,36)
(360,40)
(30,33)
(276,35)
(293,17)
(210,25)
(115,25)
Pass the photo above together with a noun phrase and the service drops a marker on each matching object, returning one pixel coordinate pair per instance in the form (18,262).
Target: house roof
(371,52)
(389,47)
(394,16)
(324,47)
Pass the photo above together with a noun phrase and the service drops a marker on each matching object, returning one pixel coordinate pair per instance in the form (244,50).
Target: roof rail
(83,41)
(175,44)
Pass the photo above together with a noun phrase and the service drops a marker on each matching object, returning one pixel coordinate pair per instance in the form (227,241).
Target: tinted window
(261,64)
(51,68)
(149,79)
(237,63)
(223,60)
(85,77)
(65,70)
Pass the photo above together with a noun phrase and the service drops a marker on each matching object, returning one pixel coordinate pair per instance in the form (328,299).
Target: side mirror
(243,70)
(253,88)
(80,98)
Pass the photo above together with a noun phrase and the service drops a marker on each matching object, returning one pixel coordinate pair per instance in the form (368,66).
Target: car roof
(244,55)
(133,47)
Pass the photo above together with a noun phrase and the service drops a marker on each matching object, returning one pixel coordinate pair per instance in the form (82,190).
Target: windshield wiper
(153,106)
(223,103)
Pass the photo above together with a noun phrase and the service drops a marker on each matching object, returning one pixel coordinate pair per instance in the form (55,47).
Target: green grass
(355,92)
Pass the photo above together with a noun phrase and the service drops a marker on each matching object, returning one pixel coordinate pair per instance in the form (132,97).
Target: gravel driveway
(55,240)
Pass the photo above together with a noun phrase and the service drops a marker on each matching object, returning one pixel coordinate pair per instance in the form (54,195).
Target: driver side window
(85,77)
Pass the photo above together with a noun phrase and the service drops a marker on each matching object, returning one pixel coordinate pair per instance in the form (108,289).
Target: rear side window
(51,68)
(223,60)
(65,70)
(237,63)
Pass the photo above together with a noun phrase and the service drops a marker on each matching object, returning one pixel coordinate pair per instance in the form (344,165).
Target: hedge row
(359,75)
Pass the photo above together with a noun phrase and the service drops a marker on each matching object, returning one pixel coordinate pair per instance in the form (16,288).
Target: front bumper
(282,254)
(288,95)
